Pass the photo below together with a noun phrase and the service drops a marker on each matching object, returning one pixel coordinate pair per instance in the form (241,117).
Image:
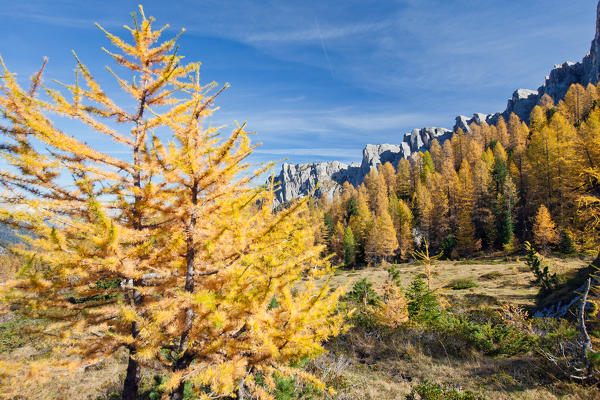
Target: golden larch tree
(170,250)
(381,242)
(544,229)
(403,222)
(466,242)
(388,173)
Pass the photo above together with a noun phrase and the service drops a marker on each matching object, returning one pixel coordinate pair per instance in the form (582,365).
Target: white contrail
(324,48)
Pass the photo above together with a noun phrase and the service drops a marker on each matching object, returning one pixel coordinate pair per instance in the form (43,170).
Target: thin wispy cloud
(339,120)
(317,33)
(329,152)
(322,40)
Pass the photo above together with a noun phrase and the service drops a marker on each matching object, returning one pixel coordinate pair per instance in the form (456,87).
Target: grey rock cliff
(296,180)
(521,103)
(375,154)
(301,179)
(560,78)
(591,62)
(420,139)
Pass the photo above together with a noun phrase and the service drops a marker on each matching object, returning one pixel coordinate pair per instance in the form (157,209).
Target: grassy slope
(388,367)
(369,367)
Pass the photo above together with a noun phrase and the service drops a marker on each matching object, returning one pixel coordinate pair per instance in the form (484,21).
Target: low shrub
(490,276)
(461,284)
(435,391)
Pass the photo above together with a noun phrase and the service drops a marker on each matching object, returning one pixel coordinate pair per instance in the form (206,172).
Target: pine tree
(544,229)
(474,151)
(552,158)
(373,184)
(505,202)
(349,247)
(500,169)
(351,209)
(427,166)
(589,196)
(423,206)
(441,217)
(538,118)
(565,242)
(337,241)
(459,147)
(577,103)
(483,217)
(361,225)
(197,251)
(447,155)
(447,192)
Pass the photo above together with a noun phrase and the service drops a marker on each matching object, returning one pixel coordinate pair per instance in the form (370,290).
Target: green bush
(461,284)
(490,276)
(434,391)
(487,333)
(448,245)
(19,331)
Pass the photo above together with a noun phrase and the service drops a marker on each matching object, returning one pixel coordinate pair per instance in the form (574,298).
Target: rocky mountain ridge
(298,180)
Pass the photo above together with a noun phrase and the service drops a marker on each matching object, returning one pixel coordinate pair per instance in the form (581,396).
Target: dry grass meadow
(361,364)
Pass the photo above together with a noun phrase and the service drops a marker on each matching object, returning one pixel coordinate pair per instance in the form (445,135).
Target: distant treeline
(489,190)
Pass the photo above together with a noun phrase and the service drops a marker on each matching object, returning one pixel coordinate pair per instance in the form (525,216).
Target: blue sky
(318,80)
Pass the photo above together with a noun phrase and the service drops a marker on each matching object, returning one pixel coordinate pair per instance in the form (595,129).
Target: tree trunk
(182,363)
(132,380)
(178,393)
(187,357)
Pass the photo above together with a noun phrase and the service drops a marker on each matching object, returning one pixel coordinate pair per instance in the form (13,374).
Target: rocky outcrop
(375,154)
(521,103)
(301,179)
(297,180)
(463,122)
(561,78)
(591,62)
(420,139)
